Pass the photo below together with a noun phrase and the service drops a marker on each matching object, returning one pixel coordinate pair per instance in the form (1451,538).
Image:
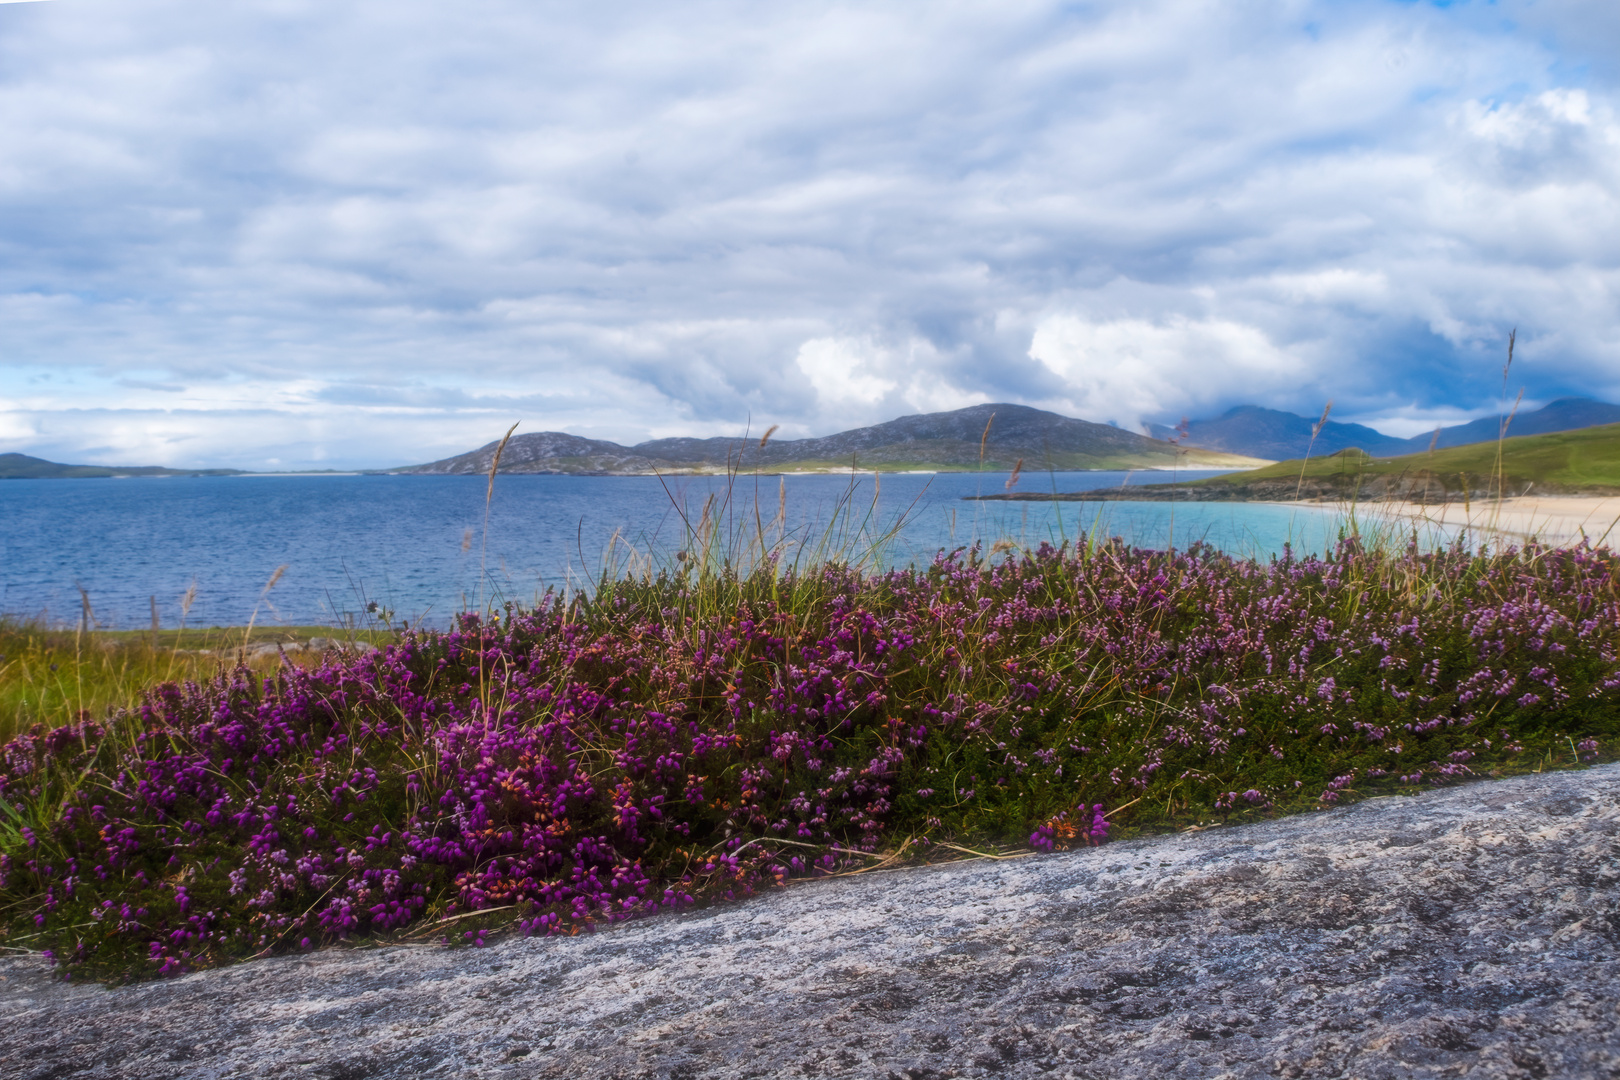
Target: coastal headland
(1584,462)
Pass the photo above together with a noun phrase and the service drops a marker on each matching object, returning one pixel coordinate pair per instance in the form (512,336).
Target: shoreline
(1550,519)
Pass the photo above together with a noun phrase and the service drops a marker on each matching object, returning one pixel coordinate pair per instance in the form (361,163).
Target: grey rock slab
(1472,931)
(323,644)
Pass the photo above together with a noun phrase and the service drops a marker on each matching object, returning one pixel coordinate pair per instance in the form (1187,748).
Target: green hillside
(1586,460)
(1581,462)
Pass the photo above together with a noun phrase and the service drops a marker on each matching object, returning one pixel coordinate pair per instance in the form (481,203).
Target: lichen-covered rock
(1472,932)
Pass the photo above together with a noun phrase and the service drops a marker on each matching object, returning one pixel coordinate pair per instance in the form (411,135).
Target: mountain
(547,452)
(945,442)
(23,467)
(1565,414)
(1268,433)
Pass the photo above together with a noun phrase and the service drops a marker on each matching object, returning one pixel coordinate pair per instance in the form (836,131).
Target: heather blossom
(695,737)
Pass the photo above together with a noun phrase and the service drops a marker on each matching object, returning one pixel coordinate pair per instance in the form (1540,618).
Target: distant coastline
(111,472)
(25,467)
(992,438)
(1579,463)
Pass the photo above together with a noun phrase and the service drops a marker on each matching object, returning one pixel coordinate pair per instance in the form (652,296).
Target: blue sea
(416,545)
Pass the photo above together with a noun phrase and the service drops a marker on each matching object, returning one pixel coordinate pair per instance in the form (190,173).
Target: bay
(416,544)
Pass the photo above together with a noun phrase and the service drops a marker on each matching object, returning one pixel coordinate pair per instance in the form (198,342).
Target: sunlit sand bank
(1551,519)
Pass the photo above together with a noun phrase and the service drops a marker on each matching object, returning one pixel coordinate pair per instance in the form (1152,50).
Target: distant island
(1581,462)
(23,467)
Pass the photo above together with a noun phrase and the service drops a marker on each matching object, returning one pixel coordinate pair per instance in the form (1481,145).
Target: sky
(279,234)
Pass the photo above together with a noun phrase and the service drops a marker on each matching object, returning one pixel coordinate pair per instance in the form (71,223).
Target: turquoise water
(414,544)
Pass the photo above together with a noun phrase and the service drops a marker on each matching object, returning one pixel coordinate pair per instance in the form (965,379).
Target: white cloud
(859,380)
(1132,370)
(840,372)
(650,219)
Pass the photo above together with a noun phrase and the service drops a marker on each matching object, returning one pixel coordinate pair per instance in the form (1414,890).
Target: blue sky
(297,234)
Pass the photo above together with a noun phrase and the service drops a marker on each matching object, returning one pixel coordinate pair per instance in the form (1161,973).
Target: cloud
(840,373)
(142,384)
(1131,369)
(416,221)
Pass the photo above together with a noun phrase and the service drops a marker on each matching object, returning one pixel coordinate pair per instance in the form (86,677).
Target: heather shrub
(699,734)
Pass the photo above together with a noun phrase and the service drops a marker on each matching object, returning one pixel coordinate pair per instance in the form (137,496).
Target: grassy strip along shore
(54,677)
(697,735)
(1585,461)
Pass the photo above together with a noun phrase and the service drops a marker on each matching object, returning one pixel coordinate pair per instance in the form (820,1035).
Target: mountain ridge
(1256,431)
(995,435)
(1243,437)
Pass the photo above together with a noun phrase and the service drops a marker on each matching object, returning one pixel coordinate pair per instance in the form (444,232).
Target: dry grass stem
(1316,429)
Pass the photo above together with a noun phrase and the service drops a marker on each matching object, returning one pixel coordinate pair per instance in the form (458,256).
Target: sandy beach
(1552,519)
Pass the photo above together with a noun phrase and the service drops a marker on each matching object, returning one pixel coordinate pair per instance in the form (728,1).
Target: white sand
(1551,519)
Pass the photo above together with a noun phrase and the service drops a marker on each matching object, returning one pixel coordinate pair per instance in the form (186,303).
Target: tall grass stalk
(264,599)
(1506,420)
(727,544)
(483,551)
(1316,429)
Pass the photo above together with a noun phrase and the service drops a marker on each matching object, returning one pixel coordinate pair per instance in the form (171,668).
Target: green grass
(55,677)
(1582,461)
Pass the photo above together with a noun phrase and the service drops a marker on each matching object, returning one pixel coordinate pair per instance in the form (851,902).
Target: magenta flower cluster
(683,739)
